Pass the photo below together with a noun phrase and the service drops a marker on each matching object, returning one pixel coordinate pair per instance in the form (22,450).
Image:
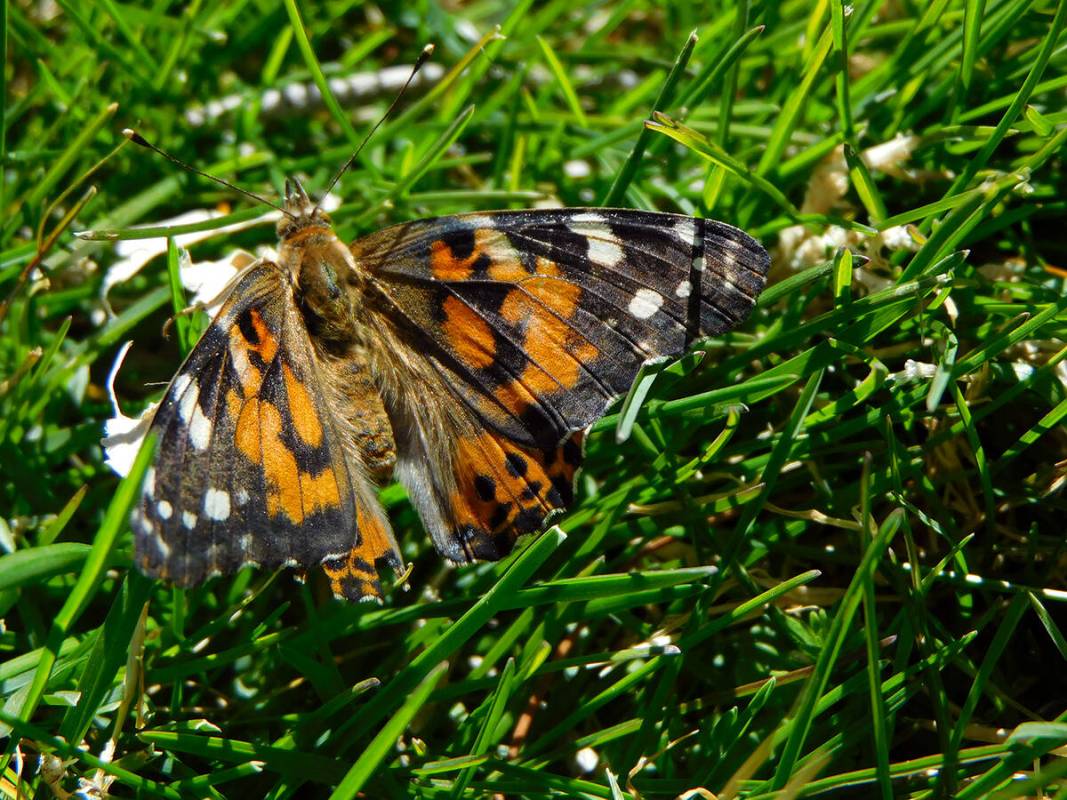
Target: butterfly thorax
(325,276)
(329,288)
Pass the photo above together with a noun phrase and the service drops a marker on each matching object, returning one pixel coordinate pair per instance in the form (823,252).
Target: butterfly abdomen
(364,410)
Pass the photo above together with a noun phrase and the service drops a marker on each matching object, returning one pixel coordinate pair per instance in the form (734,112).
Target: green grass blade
(800,724)
(666,94)
(462,629)
(1018,103)
(89,578)
(786,122)
(385,740)
(565,87)
(303,44)
(41,563)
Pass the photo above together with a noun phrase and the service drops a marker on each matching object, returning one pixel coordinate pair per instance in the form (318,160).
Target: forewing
(540,318)
(535,321)
(252,466)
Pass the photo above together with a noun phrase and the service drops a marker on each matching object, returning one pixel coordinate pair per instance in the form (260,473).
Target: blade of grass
(432,155)
(1022,97)
(630,166)
(380,746)
(88,580)
(786,122)
(54,744)
(565,87)
(521,569)
(36,565)
(486,733)
(702,147)
(801,721)
(70,155)
(303,43)
(182,323)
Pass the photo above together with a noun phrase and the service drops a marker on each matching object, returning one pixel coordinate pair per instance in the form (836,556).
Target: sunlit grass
(824,554)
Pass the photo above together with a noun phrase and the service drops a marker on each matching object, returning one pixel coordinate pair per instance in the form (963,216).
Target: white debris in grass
(123,435)
(134,254)
(211,281)
(890,157)
(914,371)
(799,247)
(577,168)
(586,760)
(898,238)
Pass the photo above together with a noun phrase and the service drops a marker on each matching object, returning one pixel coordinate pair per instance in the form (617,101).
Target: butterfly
(463,356)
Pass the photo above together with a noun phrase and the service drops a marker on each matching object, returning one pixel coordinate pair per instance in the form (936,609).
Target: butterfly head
(300,211)
(321,266)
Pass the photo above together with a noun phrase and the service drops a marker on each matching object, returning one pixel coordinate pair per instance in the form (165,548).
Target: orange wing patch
(448,265)
(290,491)
(355,575)
(301,410)
(250,333)
(259,425)
(505,490)
(468,334)
(541,306)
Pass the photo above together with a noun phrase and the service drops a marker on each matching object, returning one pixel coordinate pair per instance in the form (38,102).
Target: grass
(820,556)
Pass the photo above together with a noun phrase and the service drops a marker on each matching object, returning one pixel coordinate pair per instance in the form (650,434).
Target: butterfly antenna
(424,56)
(138,139)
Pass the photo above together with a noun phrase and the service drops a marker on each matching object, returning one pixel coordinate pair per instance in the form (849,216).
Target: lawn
(823,555)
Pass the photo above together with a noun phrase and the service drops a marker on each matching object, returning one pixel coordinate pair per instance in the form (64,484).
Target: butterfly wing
(534,321)
(253,466)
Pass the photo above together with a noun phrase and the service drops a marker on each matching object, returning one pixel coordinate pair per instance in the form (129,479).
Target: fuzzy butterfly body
(463,356)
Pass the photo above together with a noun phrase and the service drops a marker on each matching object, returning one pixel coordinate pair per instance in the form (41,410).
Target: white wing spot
(188,520)
(645,303)
(729,264)
(189,410)
(685,288)
(686,231)
(604,251)
(604,246)
(186,398)
(239,357)
(164,509)
(143,522)
(200,429)
(150,481)
(588,216)
(478,221)
(241,496)
(217,504)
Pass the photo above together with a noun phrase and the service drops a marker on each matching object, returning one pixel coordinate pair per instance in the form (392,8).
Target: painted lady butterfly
(463,355)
